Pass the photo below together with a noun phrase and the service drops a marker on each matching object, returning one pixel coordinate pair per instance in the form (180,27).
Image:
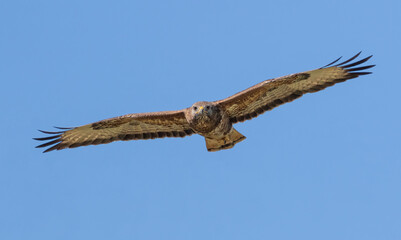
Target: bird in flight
(212,120)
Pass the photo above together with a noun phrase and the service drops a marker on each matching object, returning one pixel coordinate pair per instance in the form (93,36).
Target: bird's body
(213,120)
(210,120)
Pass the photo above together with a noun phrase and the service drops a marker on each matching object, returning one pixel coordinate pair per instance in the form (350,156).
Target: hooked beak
(200,109)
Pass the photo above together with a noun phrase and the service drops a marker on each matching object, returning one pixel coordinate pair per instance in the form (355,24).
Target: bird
(212,120)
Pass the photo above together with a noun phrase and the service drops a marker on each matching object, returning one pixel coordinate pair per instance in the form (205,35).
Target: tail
(227,142)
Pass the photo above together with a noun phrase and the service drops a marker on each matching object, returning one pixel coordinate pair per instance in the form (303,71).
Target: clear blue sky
(327,166)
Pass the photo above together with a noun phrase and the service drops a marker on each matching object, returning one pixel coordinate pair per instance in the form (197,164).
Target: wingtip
(331,62)
(55,138)
(48,132)
(63,128)
(47,150)
(354,63)
(342,64)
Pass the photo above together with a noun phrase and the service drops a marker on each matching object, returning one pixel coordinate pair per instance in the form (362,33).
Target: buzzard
(213,120)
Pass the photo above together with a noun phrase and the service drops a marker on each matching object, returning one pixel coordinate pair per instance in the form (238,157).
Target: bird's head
(203,116)
(203,109)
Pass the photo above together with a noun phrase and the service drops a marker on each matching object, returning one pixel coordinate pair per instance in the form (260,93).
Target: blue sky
(326,166)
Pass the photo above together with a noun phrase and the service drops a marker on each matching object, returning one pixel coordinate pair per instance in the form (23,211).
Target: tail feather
(227,142)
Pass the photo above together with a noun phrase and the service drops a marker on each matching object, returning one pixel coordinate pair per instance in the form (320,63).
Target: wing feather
(274,92)
(127,127)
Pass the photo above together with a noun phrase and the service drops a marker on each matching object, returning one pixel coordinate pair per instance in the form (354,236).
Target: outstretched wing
(127,127)
(274,92)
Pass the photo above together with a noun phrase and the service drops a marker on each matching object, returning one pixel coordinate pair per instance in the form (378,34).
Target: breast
(215,126)
(204,124)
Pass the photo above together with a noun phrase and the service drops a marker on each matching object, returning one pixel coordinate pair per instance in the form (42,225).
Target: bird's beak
(200,109)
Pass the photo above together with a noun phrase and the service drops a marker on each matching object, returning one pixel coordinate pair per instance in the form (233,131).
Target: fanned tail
(227,142)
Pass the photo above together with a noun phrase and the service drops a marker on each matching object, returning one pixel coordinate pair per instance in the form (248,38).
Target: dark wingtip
(349,65)
(349,60)
(54,140)
(360,68)
(48,143)
(355,69)
(362,73)
(63,128)
(355,63)
(45,138)
(331,62)
(51,149)
(47,132)
(342,64)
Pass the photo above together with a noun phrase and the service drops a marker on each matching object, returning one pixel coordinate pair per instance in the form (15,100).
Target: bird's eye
(195,108)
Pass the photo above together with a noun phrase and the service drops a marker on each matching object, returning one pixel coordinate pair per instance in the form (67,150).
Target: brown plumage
(213,120)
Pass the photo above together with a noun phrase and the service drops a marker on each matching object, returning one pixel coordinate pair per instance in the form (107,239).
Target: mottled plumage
(213,120)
